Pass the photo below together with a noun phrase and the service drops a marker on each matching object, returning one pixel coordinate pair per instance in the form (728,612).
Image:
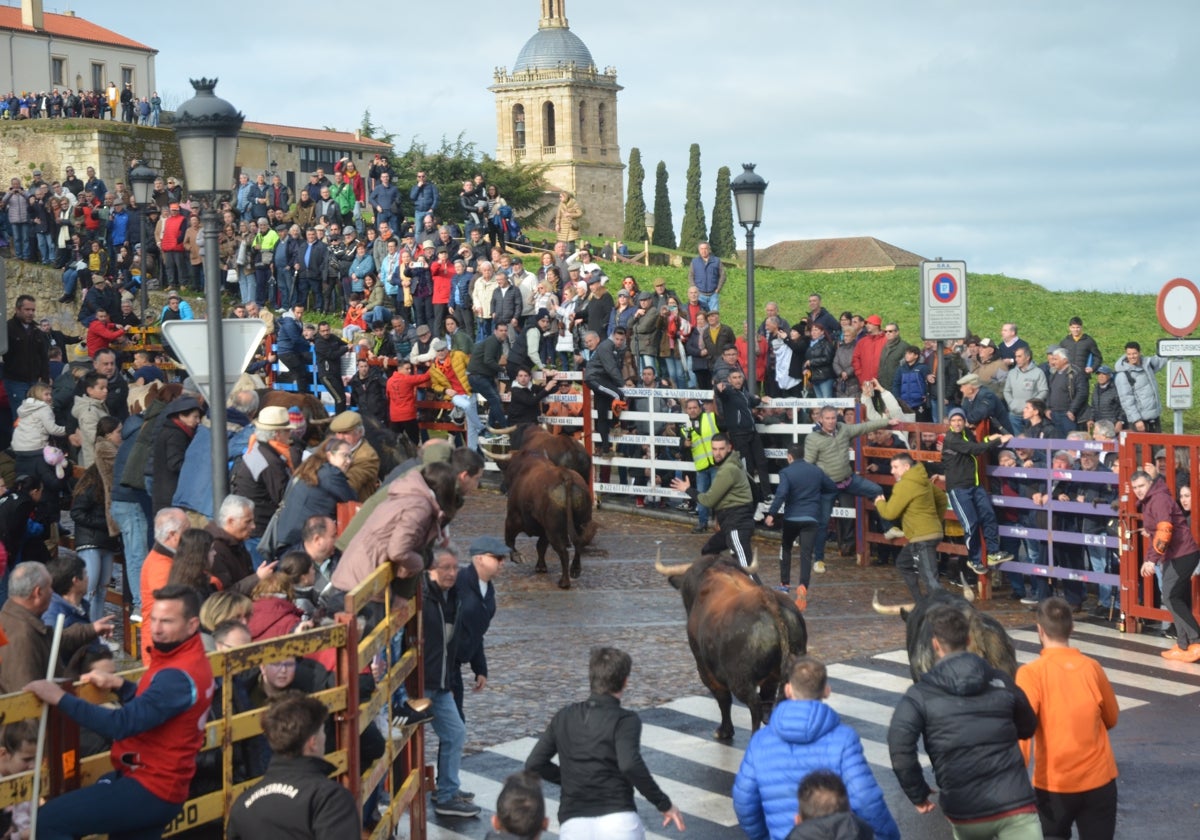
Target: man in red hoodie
(157,731)
(867,350)
(102,333)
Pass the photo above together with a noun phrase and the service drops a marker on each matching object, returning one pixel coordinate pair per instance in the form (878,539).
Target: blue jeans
(1098,557)
(115,805)
(1016,422)
(99,564)
(246,287)
(470,407)
(823,390)
(703,483)
(131,519)
(711,301)
(251,544)
(69,279)
(17,391)
(47,248)
(858,486)
(676,372)
(287,289)
(1062,423)
(452,735)
(976,515)
(484,385)
(20,237)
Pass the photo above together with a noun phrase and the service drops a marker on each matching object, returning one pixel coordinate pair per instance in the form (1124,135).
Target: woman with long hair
(92,540)
(319,485)
(193,562)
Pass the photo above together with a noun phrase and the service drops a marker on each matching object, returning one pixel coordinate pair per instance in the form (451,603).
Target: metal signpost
(1179,314)
(943,312)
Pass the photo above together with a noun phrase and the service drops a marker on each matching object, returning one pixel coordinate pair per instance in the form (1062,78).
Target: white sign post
(1179,389)
(1179,314)
(189,339)
(943,311)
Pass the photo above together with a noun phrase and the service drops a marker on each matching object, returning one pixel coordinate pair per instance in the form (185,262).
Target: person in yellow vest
(697,435)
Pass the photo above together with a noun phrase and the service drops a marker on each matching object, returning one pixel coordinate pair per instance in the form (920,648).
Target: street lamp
(141,179)
(748,189)
(207,129)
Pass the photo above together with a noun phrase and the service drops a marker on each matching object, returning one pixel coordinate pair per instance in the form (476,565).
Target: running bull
(742,635)
(988,637)
(554,505)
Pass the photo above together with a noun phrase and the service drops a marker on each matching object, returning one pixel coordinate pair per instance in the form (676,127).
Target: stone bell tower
(557,108)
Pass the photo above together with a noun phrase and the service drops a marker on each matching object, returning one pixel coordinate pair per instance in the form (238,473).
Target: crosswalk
(697,772)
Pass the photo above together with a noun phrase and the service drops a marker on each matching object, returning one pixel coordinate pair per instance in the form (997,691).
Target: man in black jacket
(968,497)
(296,797)
(477,608)
(600,760)
(330,349)
(488,357)
(603,376)
(735,408)
(310,268)
(970,717)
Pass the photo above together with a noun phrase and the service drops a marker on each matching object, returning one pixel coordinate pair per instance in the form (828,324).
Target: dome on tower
(551,47)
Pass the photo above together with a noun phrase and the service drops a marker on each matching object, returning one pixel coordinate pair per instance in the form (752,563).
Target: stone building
(556,108)
(47,51)
(293,153)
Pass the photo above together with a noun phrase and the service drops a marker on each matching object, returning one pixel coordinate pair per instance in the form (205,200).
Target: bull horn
(495,456)
(885,610)
(677,569)
(319,422)
(752,569)
(508,430)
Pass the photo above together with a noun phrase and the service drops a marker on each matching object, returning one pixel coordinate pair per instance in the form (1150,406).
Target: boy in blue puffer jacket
(911,383)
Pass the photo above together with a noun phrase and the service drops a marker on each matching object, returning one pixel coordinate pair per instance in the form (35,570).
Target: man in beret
(363,474)
(477,607)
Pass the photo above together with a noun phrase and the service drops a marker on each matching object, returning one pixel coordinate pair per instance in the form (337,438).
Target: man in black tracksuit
(735,409)
(296,797)
(600,762)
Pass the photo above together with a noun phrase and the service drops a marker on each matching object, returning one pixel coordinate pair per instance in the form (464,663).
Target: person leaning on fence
(603,375)
(920,506)
(157,732)
(968,496)
(296,798)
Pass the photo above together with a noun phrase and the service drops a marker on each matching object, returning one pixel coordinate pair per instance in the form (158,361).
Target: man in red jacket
(157,731)
(174,255)
(102,333)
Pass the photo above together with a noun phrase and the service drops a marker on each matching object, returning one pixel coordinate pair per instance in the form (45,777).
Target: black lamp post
(748,189)
(141,180)
(207,129)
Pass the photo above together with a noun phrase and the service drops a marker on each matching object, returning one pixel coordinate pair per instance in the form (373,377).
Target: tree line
(719,235)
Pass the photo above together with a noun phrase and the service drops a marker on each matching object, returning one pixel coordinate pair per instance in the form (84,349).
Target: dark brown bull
(558,449)
(742,635)
(552,504)
(988,638)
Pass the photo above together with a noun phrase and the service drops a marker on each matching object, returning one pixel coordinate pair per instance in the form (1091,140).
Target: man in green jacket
(731,501)
(920,507)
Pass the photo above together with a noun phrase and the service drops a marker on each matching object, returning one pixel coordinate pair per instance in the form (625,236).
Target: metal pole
(751,327)
(216,356)
(940,408)
(144,278)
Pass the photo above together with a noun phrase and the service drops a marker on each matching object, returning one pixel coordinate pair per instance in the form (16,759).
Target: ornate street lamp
(748,189)
(207,129)
(141,180)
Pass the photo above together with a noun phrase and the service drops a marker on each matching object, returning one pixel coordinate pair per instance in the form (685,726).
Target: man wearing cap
(174,254)
(1106,402)
(646,326)
(363,473)
(422,353)
(989,367)
(477,600)
(979,404)
(968,497)
(263,473)
(449,378)
(867,349)
(525,349)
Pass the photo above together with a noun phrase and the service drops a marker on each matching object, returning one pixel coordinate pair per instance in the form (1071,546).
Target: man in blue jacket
(801,488)
(804,734)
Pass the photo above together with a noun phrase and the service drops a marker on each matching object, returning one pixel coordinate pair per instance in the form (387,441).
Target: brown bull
(552,504)
(563,451)
(988,638)
(742,635)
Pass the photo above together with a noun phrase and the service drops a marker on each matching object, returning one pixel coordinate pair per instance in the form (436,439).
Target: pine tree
(635,204)
(694,229)
(664,228)
(721,238)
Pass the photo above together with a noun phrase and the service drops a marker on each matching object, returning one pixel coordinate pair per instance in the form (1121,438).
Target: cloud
(1028,138)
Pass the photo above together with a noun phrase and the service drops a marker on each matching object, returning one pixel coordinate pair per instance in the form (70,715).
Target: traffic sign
(943,299)
(1179,307)
(241,338)
(1179,383)
(1168,347)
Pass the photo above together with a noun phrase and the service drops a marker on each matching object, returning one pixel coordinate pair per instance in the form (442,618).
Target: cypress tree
(635,203)
(664,228)
(721,238)
(694,229)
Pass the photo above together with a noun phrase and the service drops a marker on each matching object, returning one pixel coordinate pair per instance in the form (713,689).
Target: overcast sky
(1050,141)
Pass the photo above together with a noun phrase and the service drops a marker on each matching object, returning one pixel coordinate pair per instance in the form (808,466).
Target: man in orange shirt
(169,525)
(1074,771)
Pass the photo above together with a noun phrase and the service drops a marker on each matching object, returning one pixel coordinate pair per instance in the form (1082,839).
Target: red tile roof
(845,254)
(68,26)
(317,135)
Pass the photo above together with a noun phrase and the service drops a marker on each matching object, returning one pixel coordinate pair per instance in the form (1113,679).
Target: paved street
(537,652)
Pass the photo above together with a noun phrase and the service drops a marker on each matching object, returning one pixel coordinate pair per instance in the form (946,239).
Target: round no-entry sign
(1179,307)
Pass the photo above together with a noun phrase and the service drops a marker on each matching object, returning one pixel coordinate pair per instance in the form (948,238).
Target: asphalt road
(537,651)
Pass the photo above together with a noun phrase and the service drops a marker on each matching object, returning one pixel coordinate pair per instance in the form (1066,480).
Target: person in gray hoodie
(1138,389)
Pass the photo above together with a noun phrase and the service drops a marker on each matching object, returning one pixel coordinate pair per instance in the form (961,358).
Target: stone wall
(51,145)
(45,284)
